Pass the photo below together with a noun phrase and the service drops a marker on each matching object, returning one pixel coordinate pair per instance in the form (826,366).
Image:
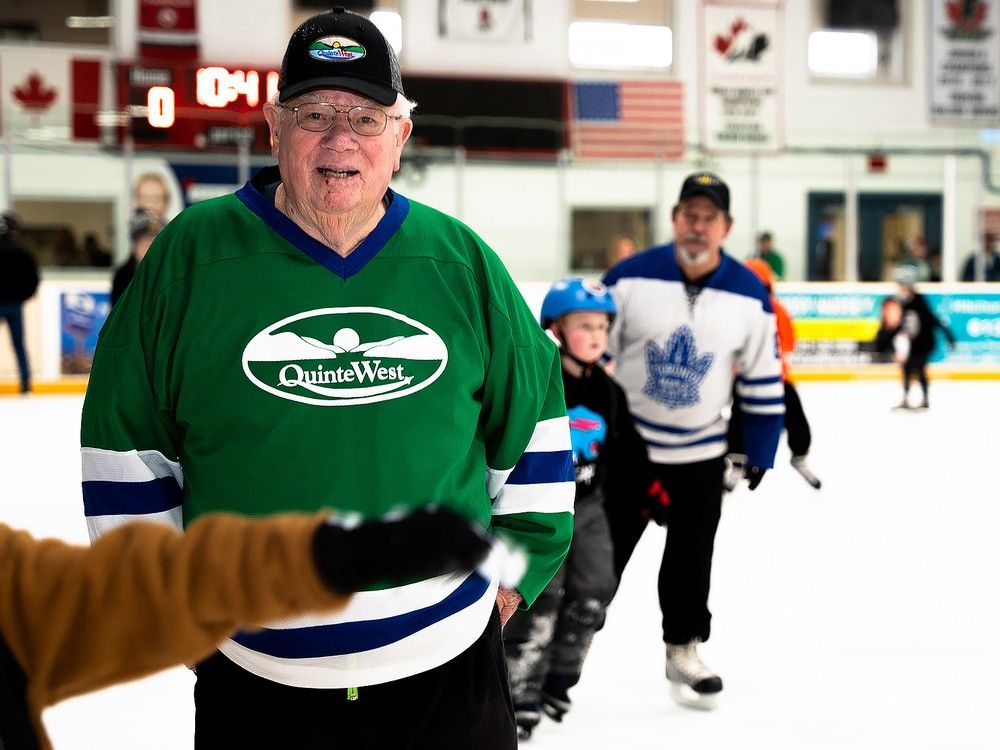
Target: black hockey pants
(553,637)
(686,568)
(464,703)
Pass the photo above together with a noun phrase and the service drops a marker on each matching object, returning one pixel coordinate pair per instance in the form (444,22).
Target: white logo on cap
(336,49)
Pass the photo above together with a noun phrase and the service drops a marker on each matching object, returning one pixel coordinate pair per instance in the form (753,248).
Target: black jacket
(609,456)
(18,274)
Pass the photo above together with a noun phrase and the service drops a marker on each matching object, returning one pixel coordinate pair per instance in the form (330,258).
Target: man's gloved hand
(397,549)
(753,474)
(657,503)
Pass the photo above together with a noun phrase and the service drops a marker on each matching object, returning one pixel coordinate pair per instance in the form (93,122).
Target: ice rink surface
(864,615)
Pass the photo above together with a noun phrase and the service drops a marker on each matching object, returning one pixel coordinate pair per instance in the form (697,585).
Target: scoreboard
(187,105)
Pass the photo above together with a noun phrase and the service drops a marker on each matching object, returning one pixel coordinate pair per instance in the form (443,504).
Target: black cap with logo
(340,50)
(709,185)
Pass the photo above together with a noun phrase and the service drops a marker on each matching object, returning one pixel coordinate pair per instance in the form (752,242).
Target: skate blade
(689,698)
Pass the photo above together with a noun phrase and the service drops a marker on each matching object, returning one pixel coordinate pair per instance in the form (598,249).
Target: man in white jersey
(690,320)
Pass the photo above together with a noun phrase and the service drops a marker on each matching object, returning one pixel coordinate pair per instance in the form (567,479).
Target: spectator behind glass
(770,255)
(983,265)
(150,192)
(622,247)
(143,226)
(18,282)
(915,257)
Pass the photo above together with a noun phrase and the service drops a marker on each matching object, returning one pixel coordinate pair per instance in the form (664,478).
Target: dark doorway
(886,222)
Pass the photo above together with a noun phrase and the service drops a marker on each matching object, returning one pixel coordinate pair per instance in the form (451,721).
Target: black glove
(419,545)
(657,503)
(753,474)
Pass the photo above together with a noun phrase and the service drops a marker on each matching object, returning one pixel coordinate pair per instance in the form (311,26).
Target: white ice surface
(864,615)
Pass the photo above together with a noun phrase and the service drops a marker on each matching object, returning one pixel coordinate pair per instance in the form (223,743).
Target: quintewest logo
(341,356)
(336,49)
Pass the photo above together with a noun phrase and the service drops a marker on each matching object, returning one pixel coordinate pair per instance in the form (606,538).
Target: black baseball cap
(709,185)
(143,222)
(339,49)
(9,223)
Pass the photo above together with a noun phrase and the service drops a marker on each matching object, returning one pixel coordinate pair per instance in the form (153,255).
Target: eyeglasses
(319,117)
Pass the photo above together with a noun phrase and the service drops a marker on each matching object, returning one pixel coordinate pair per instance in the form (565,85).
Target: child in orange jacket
(796,424)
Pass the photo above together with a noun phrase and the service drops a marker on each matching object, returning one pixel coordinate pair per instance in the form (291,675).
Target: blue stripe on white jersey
(340,638)
(381,636)
(124,486)
(542,481)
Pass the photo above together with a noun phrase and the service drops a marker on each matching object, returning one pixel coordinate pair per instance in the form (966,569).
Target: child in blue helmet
(547,644)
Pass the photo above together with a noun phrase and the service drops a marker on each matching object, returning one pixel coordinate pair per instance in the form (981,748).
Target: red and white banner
(168,29)
(47,94)
(740,61)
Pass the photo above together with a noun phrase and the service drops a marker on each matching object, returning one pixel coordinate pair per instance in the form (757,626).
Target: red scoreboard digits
(191,106)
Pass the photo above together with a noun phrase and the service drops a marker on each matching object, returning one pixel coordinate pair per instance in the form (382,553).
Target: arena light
(390,23)
(597,44)
(843,54)
(90,22)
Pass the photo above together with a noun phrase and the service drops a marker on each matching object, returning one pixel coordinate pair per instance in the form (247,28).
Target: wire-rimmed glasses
(318,117)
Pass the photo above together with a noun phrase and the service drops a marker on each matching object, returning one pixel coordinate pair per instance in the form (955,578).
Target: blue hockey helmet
(576,295)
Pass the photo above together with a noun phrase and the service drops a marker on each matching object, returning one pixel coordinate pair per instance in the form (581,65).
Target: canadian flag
(46,94)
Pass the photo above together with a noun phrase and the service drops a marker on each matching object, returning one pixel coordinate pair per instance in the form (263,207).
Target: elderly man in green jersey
(316,340)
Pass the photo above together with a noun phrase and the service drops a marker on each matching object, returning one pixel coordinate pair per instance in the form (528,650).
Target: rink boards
(835,324)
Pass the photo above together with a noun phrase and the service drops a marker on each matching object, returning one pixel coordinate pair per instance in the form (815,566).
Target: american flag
(627,120)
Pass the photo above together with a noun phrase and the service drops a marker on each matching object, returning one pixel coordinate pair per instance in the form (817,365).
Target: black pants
(915,367)
(686,569)
(553,637)
(464,703)
(796,425)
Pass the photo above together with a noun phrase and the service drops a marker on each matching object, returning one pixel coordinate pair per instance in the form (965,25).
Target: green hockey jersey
(249,368)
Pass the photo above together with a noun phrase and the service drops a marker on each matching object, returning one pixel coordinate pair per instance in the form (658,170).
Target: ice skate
(526,716)
(733,472)
(692,684)
(555,702)
(799,464)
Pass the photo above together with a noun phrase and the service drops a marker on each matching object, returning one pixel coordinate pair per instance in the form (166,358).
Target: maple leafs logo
(676,369)
(33,95)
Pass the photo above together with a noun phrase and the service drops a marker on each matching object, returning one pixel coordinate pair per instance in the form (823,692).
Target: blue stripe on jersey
(761,433)
(671,430)
(354,637)
(700,441)
(762,401)
(261,205)
(131,498)
(543,467)
(760,381)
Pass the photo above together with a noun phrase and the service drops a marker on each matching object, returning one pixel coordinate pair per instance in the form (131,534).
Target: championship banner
(740,61)
(168,29)
(964,55)
(485,20)
(46,94)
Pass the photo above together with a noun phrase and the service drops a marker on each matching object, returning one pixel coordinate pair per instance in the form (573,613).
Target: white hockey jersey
(677,357)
